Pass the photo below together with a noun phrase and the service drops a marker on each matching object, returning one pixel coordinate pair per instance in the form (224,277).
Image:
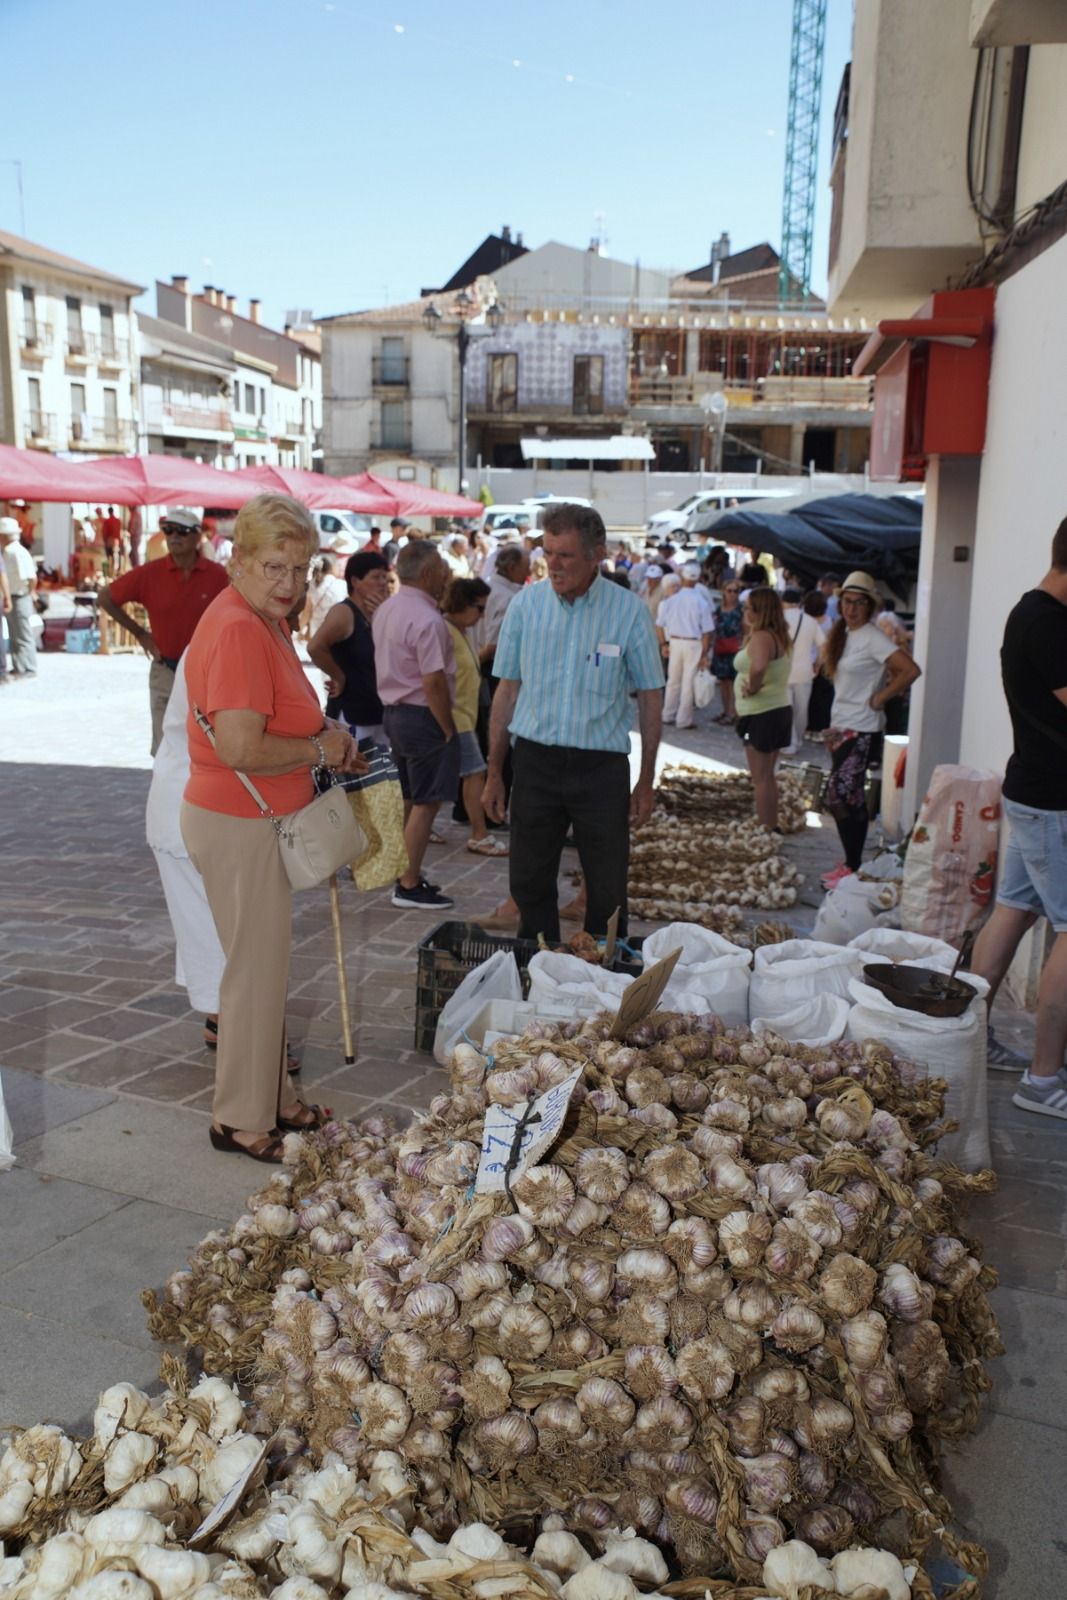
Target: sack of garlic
(730,1308)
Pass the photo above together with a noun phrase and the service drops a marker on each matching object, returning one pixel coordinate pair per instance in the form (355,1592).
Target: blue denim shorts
(1034,874)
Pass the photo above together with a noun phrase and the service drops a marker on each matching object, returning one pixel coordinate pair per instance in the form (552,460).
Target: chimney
(179,281)
(505,234)
(253,311)
(719,252)
(231,302)
(518,240)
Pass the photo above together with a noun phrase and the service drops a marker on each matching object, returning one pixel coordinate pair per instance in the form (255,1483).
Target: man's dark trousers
(555,789)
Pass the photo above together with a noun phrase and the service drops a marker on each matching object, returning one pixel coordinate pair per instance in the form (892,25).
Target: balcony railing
(36,339)
(101,348)
(109,433)
(396,439)
(390,371)
(41,427)
(211,419)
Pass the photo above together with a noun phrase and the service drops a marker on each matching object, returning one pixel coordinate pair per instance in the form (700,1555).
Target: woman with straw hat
(867,671)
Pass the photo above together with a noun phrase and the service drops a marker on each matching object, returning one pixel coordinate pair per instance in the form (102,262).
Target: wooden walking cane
(342,980)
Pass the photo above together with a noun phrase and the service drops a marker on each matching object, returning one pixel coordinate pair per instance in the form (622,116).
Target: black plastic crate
(455,948)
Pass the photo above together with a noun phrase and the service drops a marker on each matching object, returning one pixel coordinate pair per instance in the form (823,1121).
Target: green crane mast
(802,146)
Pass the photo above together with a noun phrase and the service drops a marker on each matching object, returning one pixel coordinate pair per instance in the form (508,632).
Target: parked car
(532,508)
(342,533)
(676,520)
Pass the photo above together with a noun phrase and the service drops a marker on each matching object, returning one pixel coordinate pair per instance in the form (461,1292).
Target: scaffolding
(802,147)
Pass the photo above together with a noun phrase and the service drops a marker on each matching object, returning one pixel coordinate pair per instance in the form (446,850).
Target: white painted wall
(1023,492)
(51,370)
(1043,147)
(561,272)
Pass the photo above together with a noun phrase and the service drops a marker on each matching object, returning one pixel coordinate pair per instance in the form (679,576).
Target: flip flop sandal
(319,1117)
(267,1148)
(211,1042)
(487,847)
(435,838)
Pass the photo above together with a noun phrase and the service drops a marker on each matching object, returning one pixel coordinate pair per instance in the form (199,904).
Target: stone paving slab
(50,1372)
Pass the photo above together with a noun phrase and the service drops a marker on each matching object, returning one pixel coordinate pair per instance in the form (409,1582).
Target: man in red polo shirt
(176,590)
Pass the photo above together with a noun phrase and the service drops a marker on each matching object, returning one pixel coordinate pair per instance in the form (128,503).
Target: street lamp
(433,319)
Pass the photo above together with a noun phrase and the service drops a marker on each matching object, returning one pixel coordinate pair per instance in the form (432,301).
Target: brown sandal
(266,1148)
(317,1117)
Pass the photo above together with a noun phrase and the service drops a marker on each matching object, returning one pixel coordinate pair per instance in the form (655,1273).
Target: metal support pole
(463,339)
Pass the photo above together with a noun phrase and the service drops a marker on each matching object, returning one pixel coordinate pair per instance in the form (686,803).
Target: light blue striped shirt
(577,663)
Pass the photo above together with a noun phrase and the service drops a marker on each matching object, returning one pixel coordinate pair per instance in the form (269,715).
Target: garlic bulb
(129,1457)
(597,1582)
(858,1570)
(794,1566)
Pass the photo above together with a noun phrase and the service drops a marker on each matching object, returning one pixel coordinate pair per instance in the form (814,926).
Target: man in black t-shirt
(1033,880)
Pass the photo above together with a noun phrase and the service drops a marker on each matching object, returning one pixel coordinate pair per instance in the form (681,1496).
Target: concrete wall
(1043,148)
(1023,493)
(561,272)
(907,220)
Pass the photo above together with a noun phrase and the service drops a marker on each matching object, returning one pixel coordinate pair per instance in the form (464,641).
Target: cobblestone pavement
(109,1090)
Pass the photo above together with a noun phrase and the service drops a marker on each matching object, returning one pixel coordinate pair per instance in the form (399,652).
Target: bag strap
(209,733)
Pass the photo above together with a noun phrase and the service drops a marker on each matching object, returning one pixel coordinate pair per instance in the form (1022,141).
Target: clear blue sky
(342,155)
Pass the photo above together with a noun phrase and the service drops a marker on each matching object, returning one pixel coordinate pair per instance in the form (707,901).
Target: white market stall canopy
(623,447)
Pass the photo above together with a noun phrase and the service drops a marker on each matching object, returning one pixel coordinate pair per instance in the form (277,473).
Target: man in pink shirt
(416,674)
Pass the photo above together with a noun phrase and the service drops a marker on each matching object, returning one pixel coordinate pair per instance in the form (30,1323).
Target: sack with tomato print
(951,866)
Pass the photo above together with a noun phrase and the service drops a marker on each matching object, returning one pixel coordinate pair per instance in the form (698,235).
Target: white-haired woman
(245,678)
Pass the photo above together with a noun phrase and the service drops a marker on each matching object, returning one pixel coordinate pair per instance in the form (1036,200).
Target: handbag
(727,646)
(315,841)
(378,806)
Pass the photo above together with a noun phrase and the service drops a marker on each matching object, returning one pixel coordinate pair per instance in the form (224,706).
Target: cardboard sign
(516,1137)
(231,1499)
(644,995)
(612,938)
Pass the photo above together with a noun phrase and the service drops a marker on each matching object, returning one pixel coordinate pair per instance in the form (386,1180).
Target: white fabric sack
(853,906)
(703,689)
(819,1021)
(709,969)
(7,1138)
(556,977)
(951,865)
(785,975)
(953,1048)
(496,979)
(897,944)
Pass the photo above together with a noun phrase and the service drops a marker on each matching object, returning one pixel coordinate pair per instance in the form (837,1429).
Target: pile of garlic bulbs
(322,1534)
(719,797)
(692,870)
(727,1309)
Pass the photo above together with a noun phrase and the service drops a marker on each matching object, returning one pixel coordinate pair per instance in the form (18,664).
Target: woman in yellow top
(763,699)
(463,607)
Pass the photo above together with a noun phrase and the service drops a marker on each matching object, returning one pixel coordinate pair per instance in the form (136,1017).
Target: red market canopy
(413,499)
(317,491)
(158,480)
(33,475)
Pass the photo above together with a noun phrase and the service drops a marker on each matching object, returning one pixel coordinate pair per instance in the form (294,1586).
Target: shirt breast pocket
(604,676)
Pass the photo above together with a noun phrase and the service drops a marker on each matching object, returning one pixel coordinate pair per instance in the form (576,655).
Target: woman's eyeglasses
(276,572)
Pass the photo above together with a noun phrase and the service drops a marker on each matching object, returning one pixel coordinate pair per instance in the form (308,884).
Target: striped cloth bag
(378,805)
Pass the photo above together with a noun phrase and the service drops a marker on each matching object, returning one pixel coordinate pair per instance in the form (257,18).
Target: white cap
(691,571)
(9,528)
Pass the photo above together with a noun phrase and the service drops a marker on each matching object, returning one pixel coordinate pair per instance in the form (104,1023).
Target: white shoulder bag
(315,841)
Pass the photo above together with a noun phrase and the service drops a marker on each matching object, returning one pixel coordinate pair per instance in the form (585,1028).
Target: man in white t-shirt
(21,572)
(807,637)
(685,627)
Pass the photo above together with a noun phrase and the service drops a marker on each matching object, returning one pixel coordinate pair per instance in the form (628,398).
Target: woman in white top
(324,591)
(807,638)
(867,670)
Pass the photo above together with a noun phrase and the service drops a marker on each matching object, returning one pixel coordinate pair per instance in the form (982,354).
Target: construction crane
(802,147)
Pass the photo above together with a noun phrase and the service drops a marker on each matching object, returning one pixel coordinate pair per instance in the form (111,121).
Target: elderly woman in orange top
(245,678)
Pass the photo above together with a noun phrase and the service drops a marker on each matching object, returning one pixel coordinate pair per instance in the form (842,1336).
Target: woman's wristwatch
(321,748)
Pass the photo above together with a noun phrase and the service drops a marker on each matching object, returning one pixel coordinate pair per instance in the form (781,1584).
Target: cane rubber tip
(350,1061)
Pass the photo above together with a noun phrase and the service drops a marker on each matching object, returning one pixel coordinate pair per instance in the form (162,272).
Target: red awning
(413,499)
(158,481)
(315,489)
(33,475)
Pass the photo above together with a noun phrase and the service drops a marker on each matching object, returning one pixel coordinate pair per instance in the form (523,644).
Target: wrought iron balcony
(392,372)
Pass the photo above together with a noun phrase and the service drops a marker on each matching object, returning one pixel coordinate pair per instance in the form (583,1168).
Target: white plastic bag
(853,906)
(819,1021)
(703,689)
(7,1138)
(951,865)
(785,975)
(896,944)
(952,1048)
(556,977)
(709,969)
(496,979)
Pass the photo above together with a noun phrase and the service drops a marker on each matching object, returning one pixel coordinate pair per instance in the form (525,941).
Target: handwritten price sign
(516,1137)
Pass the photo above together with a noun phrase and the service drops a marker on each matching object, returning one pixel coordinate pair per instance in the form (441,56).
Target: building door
(79,417)
(819,449)
(111,416)
(394,366)
(503,390)
(75,336)
(588,386)
(36,417)
(107,332)
(29,316)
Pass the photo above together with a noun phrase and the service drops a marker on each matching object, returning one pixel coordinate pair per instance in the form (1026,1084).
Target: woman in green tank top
(764,705)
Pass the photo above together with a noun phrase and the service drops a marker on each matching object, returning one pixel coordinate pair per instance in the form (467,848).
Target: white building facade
(68,364)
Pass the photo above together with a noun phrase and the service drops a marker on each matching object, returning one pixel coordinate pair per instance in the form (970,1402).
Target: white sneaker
(1045,1102)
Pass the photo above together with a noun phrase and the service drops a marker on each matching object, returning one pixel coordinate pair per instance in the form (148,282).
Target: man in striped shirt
(570,651)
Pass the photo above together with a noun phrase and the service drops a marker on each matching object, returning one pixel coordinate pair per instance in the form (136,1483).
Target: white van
(531,508)
(342,533)
(664,523)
